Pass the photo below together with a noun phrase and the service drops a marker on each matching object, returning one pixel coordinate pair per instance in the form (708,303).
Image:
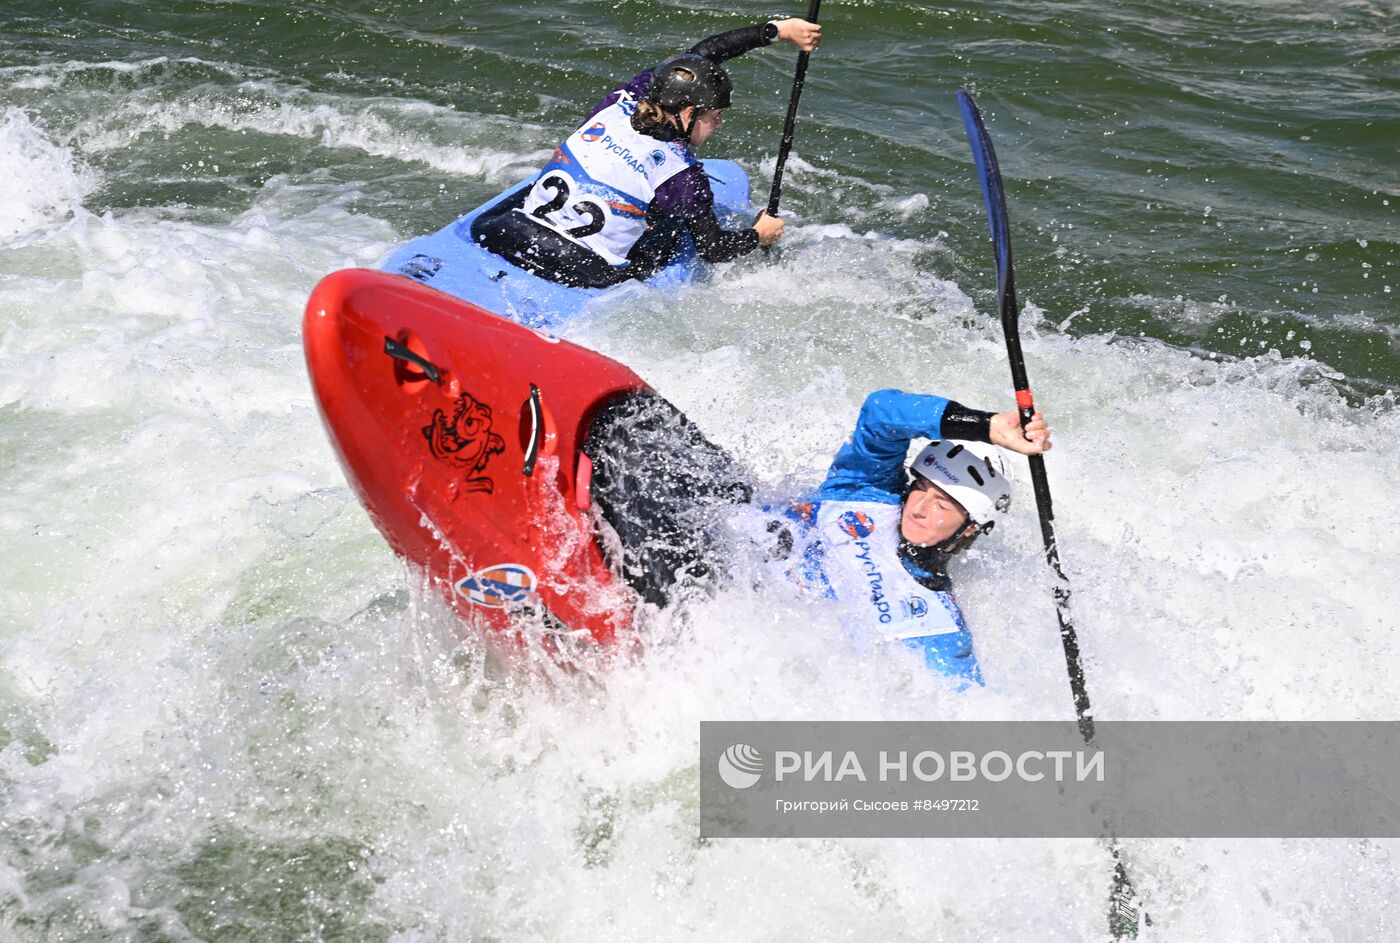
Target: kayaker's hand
(805,36)
(769,228)
(1006,432)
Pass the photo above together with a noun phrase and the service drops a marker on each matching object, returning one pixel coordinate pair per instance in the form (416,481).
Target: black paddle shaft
(1040,484)
(1010,310)
(786,145)
(1123,914)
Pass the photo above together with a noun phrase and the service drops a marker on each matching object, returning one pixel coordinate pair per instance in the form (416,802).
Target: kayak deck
(451,261)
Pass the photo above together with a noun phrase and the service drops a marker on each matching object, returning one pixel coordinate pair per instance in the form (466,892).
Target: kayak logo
(421,267)
(740,766)
(499,586)
(857,524)
(594,133)
(466,440)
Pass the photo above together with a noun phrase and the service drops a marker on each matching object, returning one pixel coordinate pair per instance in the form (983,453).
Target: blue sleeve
(870,467)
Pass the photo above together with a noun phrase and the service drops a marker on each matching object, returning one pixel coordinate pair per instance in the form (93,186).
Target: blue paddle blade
(992,194)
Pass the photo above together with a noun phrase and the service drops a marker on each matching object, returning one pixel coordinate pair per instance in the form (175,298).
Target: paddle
(786,144)
(1123,909)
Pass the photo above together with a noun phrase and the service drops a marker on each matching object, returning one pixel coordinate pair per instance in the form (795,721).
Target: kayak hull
(460,432)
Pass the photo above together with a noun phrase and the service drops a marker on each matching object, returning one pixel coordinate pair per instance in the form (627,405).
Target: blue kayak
(451,261)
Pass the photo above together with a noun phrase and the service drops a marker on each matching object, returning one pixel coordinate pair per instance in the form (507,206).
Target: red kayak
(461,432)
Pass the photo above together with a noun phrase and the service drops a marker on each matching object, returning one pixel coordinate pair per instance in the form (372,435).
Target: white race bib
(597,189)
(862,564)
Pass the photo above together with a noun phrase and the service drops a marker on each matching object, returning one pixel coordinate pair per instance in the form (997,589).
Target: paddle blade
(989,173)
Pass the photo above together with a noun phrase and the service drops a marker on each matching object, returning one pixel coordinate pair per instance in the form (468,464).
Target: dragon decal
(466,440)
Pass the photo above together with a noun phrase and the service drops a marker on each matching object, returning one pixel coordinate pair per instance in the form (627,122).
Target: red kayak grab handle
(399,352)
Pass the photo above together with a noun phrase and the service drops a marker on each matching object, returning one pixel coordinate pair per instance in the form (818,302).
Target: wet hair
(654,121)
(648,117)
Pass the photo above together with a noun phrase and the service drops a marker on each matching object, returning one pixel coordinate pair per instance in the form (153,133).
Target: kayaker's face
(930,515)
(705,125)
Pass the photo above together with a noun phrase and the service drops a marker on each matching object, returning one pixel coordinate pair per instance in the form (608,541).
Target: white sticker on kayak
(499,586)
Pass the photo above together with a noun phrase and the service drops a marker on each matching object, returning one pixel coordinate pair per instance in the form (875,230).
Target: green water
(228,713)
(1219,175)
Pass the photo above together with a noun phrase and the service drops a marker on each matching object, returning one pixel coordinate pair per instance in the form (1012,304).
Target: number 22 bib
(597,188)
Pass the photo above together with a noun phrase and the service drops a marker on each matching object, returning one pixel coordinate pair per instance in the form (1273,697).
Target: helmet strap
(694,117)
(931,561)
(961,540)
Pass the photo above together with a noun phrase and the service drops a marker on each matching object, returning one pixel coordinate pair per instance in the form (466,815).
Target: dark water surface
(1219,175)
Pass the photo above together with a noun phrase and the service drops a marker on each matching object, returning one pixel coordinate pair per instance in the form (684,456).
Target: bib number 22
(560,187)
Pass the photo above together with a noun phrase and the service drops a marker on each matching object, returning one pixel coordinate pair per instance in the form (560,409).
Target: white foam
(208,652)
(44,182)
(1222,522)
(445,139)
(49,74)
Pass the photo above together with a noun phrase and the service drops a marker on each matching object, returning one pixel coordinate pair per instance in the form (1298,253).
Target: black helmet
(690,79)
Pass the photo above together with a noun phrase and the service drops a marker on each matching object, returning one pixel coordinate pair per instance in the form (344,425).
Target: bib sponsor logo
(876,579)
(857,524)
(658,157)
(497,587)
(621,151)
(595,132)
(915,607)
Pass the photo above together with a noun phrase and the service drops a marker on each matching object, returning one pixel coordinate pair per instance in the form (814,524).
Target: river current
(227,711)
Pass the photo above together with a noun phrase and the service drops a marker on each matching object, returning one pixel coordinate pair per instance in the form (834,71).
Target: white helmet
(973,473)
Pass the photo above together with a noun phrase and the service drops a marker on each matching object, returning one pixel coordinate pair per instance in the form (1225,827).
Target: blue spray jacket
(848,546)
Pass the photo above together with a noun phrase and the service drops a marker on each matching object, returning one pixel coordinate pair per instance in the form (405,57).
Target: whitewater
(227,711)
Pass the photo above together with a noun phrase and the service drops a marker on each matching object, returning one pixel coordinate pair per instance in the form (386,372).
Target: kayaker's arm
(687,197)
(717,244)
(725,46)
(873,459)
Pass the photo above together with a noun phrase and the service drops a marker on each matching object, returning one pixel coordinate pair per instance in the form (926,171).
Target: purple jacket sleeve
(686,195)
(637,86)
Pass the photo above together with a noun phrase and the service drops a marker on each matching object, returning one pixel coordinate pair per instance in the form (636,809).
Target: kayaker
(877,536)
(624,188)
